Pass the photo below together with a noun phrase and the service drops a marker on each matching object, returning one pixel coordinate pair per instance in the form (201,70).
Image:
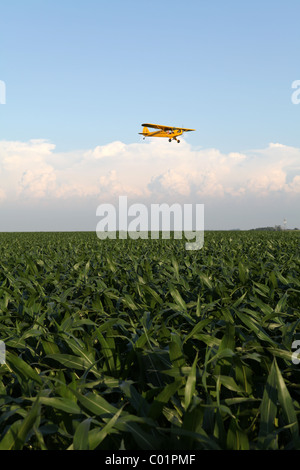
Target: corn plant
(140,344)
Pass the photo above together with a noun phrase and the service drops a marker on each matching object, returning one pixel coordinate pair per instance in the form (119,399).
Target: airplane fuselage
(167,134)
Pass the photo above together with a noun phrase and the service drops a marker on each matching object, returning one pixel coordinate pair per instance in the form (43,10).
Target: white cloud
(152,169)
(108,150)
(24,170)
(37,183)
(294,186)
(172,182)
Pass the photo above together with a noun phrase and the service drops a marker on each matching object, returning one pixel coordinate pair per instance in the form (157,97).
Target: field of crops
(141,344)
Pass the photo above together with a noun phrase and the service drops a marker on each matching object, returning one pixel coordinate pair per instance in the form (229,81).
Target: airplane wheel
(170,140)
(178,141)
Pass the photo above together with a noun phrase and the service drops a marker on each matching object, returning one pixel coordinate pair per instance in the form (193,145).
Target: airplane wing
(165,128)
(156,126)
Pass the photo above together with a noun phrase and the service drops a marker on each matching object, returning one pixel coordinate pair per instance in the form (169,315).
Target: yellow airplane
(164,131)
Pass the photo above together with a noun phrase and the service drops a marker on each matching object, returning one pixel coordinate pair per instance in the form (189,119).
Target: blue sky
(85,74)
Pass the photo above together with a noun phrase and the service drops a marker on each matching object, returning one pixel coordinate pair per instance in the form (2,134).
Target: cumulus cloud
(153,170)
(37,182)
(24,171)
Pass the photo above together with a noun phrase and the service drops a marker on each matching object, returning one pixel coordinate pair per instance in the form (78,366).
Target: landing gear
(170,140)
(178,141)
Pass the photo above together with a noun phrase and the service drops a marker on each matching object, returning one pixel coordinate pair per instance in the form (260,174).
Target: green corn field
(140,344)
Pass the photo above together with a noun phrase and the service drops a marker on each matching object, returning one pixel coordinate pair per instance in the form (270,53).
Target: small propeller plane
(164,131)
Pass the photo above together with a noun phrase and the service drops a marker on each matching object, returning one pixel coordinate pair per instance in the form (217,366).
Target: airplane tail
(145,131)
